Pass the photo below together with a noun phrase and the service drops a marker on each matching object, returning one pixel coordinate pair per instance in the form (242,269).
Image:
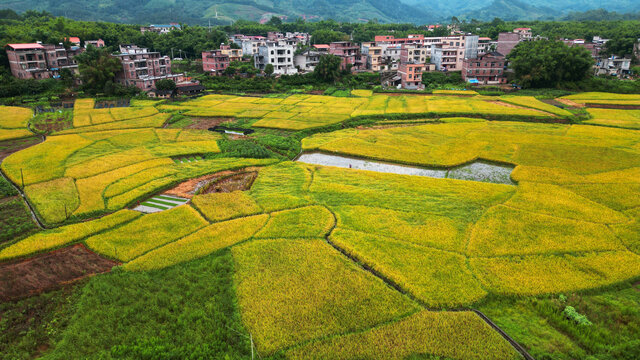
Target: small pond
(476,171)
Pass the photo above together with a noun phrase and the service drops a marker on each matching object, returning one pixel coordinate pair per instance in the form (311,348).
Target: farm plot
(587,97)
(13,122)
(532,102)
(93,172)
(328,262)
(629,119)
(298,112)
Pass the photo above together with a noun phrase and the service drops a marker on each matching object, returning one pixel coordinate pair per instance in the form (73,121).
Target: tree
(66,76)
(97,67)
(268,69)
(165,84)
(547,63)
(275,21)
(327,36)
(328,68)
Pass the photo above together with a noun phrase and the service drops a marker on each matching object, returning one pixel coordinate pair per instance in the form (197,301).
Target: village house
(322,48)
(249,44)
(411,75)
(486,69)
(296,37)
(41,61)
(374,56)
(160,29)
(143,68)
(350,54)
(233,54)
(484,45)
(307,60)
(97,43)
(391,40)
(451,52)
(614,66)
(277,53)
(215,62)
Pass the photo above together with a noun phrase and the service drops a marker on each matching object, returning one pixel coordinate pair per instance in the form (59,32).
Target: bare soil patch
(552,102)
(224,181)
(613,106)
(49,271)
(206,123)
(570,103)
(50,125)
(8,147)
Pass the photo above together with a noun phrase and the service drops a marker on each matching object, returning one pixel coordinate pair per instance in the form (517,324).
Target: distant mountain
(521,10)
(510,10)
(224,11)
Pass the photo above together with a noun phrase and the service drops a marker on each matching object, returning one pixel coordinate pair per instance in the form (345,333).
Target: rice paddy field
(320,262)
(299,112)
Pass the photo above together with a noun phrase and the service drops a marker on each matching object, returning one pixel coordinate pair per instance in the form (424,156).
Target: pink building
(350,54)
(506,42)
(38,61)
(389,39)
(487,69)
(215,62)
(142,68)
(411,75)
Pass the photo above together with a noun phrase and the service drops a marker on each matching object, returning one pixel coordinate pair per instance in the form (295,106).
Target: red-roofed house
(322,47)
(38,61)
(74,40)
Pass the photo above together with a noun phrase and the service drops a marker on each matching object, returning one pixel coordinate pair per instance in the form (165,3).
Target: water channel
(476,171)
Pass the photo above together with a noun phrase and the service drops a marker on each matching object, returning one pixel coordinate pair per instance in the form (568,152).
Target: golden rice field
(629,119)
(589,96)
(298,112)
(13,122)
(334,263)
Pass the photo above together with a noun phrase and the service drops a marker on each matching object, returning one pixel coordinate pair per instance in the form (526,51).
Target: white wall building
(279,54)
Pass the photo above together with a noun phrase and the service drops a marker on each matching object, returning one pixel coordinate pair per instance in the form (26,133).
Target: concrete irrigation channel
(475,171)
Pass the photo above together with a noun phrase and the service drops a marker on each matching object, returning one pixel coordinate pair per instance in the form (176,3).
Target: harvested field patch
(206,123)
(49,271)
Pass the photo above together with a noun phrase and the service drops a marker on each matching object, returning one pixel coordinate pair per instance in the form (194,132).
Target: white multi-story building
(453,50)
(277,53)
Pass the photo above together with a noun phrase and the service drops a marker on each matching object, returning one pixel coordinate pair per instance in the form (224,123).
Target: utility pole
(171,53)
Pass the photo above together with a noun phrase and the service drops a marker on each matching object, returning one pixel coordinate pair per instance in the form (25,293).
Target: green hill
(223,11)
